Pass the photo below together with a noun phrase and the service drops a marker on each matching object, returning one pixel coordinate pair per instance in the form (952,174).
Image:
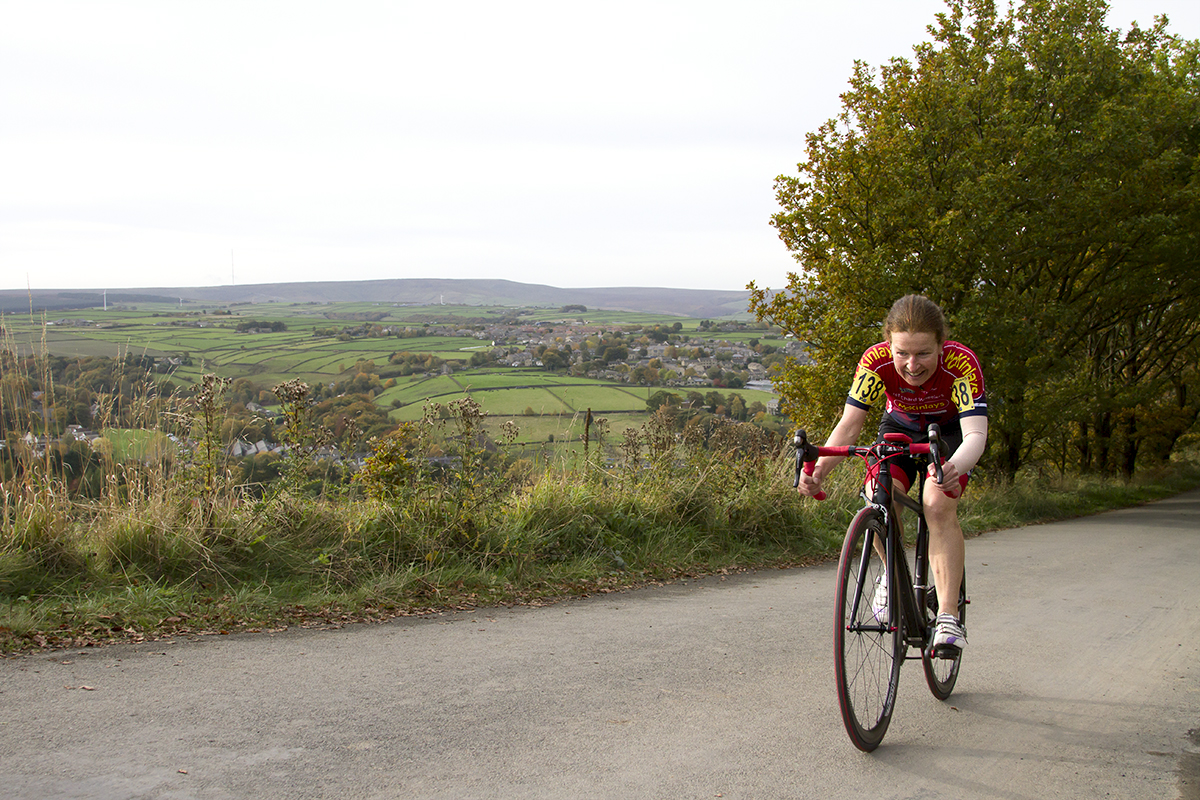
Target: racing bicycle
(884,607)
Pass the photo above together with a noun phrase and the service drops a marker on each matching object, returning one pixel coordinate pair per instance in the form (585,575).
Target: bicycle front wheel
(867,646)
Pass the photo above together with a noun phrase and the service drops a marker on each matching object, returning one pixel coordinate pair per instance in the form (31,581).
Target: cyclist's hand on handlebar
(950,478)
(809,485)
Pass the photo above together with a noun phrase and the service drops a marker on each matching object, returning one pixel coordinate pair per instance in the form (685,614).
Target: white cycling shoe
(949,633)
(879,601)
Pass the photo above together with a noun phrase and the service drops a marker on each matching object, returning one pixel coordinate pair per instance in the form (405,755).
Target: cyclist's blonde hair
(915,313)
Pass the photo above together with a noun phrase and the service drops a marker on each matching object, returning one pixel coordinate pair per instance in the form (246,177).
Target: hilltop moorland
(698,303)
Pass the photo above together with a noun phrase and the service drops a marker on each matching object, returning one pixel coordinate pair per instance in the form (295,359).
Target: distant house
(80,433)
(523,359)
(255,408)
(37,443)
(241,449)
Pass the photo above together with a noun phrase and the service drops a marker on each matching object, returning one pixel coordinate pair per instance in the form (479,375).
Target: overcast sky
(606,144)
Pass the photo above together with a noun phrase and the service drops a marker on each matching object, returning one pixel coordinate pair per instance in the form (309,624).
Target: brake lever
(806,459)
(935,449)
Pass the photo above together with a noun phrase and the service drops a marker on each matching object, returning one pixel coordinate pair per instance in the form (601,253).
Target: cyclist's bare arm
(846,432)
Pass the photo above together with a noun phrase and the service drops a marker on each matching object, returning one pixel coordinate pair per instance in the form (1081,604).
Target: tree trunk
(1008,457)
(1103,427)
(1188,418)
(1130,449)
(1083,447)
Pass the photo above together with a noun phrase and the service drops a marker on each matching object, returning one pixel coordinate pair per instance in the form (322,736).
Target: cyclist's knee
(940,507)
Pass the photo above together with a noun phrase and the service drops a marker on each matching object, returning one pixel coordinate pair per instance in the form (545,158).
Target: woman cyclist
(924,379)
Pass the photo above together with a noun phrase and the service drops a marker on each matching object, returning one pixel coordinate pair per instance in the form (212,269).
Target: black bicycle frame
(913,597)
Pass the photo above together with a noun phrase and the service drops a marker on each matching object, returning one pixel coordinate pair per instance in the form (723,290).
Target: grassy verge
(166,564)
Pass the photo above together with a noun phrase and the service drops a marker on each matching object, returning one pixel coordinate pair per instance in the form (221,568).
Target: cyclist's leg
(947,550)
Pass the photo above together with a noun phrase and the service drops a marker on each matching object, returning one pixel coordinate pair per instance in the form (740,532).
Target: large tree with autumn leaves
(1035,172)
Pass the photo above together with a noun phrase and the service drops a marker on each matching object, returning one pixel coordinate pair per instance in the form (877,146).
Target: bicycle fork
(860,584)
(907,603)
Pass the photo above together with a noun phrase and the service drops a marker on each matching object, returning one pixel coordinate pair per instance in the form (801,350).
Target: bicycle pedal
(945,651)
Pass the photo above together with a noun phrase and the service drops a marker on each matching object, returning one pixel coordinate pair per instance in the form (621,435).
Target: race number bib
(867,387)
(964,399)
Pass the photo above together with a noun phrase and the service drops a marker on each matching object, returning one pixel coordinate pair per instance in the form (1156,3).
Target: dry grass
(171,544)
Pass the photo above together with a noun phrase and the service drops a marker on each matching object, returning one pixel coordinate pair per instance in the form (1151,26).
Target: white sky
(623,143)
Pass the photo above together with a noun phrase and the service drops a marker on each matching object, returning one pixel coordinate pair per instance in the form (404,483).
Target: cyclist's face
(915,355)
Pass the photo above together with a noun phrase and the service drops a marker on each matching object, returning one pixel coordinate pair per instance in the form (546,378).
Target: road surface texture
(1081,680)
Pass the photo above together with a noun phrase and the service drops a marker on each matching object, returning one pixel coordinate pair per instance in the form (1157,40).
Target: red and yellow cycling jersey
(955,389)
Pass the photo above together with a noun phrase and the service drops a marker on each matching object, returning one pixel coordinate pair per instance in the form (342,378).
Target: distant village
(651,357)
(657,355)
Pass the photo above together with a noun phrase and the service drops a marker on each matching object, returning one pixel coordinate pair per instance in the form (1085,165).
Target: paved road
(1081,681)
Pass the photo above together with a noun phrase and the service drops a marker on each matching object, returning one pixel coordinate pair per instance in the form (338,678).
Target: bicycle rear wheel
(867,651)
(942,673)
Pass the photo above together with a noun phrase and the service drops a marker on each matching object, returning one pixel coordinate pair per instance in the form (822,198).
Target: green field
(512,391)
(547,406)
(266,357)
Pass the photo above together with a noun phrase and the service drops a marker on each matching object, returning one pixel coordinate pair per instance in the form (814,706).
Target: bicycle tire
(942,673)
(868,652)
